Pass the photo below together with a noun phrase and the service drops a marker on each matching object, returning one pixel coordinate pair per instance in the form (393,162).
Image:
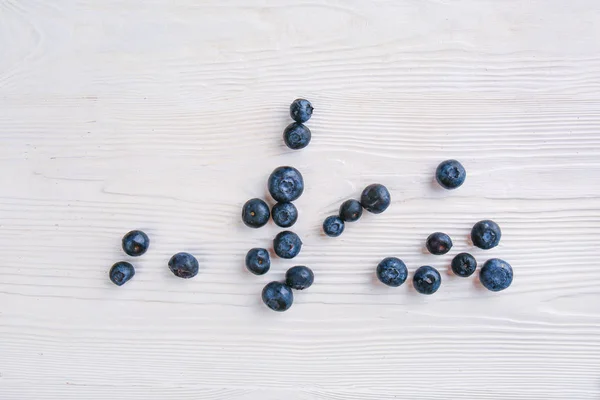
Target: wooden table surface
(167,116)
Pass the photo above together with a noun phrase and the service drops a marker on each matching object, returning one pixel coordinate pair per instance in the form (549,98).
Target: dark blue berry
(375,198)
(333,226)
(392,271)
(301,110)
(296,136)
(184,265)
(285,214)
(121,272)
(277,296)
(450,174)
(350,210)
(135,243)
(258,261)
(286,184)
(464,264)
(496,275)
(255,213)
(427,280)
(486,234)
(287,244)
(299,277)
(439,243)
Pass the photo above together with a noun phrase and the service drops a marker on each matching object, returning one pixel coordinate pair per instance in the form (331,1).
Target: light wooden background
(167,116)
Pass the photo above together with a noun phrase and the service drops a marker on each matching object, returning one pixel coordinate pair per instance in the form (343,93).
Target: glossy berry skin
(286,184)
(486,234)
(135,243)
(464,265)
(184,265)
(258,261)
(450,174)
(375,198)
(299,277)
(333,226)
(287,244)
(301,110)
(296,136)
(284,214)
(277,296)
(121,272)
(438,243)
(496,275)
(351,210)
(427,280)
(255,213)
(392,271)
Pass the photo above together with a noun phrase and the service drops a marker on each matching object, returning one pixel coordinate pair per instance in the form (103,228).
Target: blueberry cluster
(136,243)
(285,185)
(375,198)
(297,135)
(495,275)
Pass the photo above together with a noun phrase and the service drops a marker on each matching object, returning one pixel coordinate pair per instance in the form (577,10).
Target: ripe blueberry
(392,271)
(286,184)
(464,265)
(296,136)
(299,277)
(486,234)
(121,272)
(277,296)
(285,214)
(333,226)
(350,210)
(496,275)
(258,261)
(255,213)
(184,265)
(375,198)
(287,244)
(135,243)
(450,174)
(301,110)
(439,243)
(427,280)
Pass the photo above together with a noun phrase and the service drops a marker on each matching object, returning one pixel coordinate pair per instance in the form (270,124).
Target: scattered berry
(496,275)
(135,243)
(439,243)
(350,210)
(183,265)
(287,244)
(392,271)
(121,272)
(277,296)
(464,265)
(333,226)
(427,280)
(486,234)
(258,261)
(299,277)
(296,136)
(286,184)
(255,213)
(450,174)
(285,214)
(375,198)
(301,110)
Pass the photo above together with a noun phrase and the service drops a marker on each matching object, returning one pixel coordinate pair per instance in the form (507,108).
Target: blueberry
(277,296)
(287,244)
(496,275)
(350,210)
(486,234)
(301,110)
(392,271)
(375,198)
(255,213)
(450,174)
(184,265)
(285,214)
(299,277)
(427,280)
(439,243)
(296,136)
(121,272)
(135,243)
(258,261)
(286,184)
(333,226)
(464,264)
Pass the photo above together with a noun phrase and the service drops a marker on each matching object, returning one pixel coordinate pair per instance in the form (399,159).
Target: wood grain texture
(167,116)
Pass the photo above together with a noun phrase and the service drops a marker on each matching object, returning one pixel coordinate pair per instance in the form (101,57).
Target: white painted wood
(167,116)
